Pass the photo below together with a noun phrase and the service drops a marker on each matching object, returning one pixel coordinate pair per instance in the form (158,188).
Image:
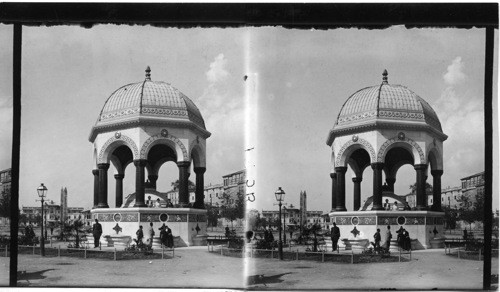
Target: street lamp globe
(42,191)
(280,195)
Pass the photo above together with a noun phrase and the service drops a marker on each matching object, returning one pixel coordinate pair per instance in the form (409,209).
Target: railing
(84,252)
(462,253)
(347,256)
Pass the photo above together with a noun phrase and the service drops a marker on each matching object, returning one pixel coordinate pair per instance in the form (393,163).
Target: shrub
(139,247)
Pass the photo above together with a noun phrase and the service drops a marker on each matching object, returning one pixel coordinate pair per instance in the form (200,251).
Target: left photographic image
(131,156)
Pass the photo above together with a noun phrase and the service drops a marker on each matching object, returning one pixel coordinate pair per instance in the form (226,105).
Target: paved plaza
(196,268)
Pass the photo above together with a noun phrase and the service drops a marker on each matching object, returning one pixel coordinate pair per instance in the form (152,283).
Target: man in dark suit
(96,231)
(335,235)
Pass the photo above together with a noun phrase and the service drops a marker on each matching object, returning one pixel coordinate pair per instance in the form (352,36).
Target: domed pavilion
(146,124)
(385,127)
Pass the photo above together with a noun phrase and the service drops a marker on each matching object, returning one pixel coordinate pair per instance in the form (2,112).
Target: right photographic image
(365,162)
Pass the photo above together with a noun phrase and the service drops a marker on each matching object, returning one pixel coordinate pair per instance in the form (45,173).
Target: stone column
(357,192)
(341,170)
(421,196)
(152,179)
(436,190)
(95,172)
(334,190)
(377,185)
(119,190)
(183,183)
(139,182)
(200,197)
(103,185)
(390,183)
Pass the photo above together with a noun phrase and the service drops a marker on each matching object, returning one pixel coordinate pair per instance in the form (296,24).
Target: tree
(450,217)
(212,215)
(191,185)
(232,210)
(253,218)
(478,207)
(428,188)
(466,210)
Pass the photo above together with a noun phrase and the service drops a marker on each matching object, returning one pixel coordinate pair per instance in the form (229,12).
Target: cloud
(455,74)
(222,107)
(462,119)
(217,70)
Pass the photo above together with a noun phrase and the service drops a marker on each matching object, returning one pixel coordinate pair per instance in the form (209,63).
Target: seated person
(395,206)
(157,203)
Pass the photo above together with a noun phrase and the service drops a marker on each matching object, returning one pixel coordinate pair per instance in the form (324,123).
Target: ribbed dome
(151,101)
(386,102)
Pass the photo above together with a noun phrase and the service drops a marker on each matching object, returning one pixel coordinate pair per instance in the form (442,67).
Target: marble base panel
(186,223)
(421,225)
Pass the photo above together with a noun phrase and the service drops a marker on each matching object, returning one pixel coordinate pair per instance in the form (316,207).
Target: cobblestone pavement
(196,268)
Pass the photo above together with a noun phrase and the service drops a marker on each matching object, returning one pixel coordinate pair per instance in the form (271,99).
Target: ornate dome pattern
(386,102)
(149,100)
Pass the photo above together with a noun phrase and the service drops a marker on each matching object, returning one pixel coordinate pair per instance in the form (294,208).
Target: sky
(296,82)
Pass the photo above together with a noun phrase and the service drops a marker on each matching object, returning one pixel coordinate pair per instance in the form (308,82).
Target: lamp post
(42,191)
(280,196)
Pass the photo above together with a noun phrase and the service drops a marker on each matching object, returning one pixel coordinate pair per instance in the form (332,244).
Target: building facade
(450,197)
(213,194)
(233,184)
(473,185)
(5,185)
(5,181)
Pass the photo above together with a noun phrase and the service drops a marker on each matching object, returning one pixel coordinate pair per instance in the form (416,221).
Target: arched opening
(355,159)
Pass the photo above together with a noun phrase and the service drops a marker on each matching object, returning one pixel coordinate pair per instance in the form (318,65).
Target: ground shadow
(23,275)
(262,279)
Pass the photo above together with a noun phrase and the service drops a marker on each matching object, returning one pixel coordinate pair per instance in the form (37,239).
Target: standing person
(140,235)
(96,231)
(227,231)
(406,240)
(163,235)
(170,238)
(335,235)
(388,237)
(266,234)
(150,232)
(377,239)
(400,238)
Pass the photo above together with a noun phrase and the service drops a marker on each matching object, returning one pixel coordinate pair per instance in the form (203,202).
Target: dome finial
(384,76)
(148,73)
